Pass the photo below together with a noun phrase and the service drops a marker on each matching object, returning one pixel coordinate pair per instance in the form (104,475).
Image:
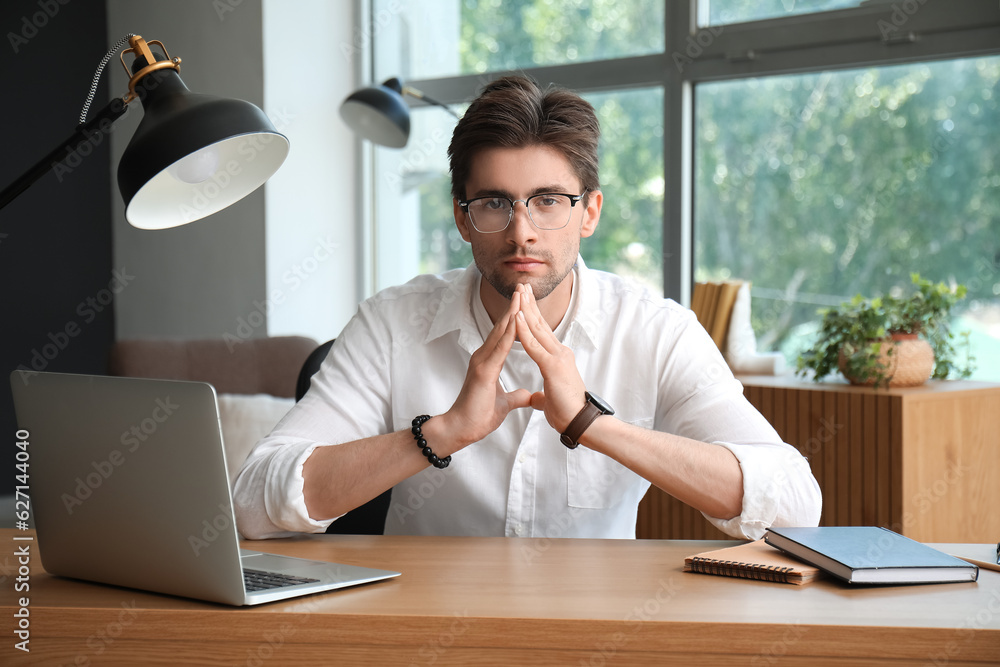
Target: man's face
(522,253)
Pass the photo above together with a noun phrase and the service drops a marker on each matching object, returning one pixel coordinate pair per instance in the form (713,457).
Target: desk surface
(472,601)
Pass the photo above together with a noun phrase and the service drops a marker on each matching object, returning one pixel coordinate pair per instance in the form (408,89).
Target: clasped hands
(482,404)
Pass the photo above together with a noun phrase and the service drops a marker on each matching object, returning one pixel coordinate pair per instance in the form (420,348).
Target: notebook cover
(876,553)
(752,560)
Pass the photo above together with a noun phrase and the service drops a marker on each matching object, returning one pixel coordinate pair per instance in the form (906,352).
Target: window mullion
(678,245)
(940,46)
(612,74)
(843,27)
(888,34)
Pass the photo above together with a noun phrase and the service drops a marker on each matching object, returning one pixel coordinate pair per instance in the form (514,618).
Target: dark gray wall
(202,279)
(56,312)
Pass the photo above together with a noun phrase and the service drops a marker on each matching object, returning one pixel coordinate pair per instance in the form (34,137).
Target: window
(821,186)
(438,38)
(719,12)
(818,148)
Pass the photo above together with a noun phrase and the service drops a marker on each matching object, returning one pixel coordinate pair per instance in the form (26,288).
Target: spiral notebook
(753,560)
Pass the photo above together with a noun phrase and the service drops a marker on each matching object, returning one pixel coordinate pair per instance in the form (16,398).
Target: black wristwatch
(594,408)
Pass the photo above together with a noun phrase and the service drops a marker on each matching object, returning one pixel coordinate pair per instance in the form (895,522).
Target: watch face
(599,402)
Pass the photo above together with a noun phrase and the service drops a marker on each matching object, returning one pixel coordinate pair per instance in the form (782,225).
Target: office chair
(368,519)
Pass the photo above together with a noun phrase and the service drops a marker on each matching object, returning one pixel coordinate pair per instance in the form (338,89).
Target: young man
(510,358)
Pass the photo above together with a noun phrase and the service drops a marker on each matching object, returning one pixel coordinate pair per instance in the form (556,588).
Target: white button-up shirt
(406,353)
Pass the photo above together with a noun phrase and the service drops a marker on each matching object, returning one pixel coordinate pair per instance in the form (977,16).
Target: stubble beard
(541,287)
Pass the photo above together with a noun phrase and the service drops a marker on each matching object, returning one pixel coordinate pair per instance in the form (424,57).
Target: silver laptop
(129,487)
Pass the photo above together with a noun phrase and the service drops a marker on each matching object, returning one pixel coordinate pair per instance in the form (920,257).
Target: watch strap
(571,436)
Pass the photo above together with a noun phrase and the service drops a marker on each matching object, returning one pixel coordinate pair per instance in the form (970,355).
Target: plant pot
(910,364)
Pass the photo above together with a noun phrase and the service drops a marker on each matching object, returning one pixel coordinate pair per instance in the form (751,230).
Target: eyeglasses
(548,211)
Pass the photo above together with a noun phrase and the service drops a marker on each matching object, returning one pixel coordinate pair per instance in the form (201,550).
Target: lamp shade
(379,114)
(192,154)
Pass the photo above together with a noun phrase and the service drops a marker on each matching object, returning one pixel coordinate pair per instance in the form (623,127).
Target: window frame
(879,34)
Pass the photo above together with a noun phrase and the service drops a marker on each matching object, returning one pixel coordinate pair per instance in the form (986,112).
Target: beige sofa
(254,379)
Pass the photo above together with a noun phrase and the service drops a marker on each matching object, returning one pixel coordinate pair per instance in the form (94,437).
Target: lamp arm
(92,132)
(413,92)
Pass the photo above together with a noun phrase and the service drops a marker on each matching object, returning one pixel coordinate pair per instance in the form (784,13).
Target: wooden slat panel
(856,497)
(767,404)
(869,460)
(825,467)
(663,517)
(699,525)
(807,425)
(897,463)
(648,516)
(789,426)
(842,481)
(686,524)
(922,461)
(804,428)
(674,510)
(883,475)
(779,410)
(753,394)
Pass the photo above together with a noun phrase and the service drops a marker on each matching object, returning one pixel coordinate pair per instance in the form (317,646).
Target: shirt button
(519,530)
(522,458)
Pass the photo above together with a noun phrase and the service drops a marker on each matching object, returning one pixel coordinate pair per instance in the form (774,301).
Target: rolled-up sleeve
(702,400)
(268,492)
(267,496)
(779,489)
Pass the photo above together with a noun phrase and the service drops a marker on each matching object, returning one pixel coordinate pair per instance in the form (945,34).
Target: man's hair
(513,112)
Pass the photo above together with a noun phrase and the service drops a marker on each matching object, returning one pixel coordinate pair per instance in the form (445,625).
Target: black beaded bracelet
(418,421)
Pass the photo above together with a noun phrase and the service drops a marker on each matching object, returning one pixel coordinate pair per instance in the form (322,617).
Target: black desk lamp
(191,156)
(380,114)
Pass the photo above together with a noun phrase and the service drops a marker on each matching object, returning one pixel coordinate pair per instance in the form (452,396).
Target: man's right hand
(482,405)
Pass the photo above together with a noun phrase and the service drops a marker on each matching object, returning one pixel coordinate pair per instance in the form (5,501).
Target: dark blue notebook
(870,555)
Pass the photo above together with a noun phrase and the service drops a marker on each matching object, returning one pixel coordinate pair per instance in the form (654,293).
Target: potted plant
(889,340)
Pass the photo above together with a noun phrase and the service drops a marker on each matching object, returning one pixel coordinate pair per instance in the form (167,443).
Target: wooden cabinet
(923,461)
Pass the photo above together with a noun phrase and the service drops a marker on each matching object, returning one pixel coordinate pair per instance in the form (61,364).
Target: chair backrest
(309,368)
(368,519)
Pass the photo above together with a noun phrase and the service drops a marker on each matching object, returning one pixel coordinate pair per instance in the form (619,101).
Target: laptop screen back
(128,483)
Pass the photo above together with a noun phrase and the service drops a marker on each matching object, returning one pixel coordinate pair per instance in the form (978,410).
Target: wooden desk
(923,461)
(484,601)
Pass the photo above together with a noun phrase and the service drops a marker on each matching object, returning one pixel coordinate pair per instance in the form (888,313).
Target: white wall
(310,58)
(284,259)
(399,173)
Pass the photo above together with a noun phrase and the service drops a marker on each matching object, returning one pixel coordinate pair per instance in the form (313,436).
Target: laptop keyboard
(258,580)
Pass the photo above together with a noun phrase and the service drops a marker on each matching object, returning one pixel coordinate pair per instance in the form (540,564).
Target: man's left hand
(562,395)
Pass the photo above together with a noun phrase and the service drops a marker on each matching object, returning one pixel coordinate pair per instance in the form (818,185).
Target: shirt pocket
(596,481)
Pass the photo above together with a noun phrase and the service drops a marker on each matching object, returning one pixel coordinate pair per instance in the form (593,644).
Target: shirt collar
(586,329)
(455,311)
